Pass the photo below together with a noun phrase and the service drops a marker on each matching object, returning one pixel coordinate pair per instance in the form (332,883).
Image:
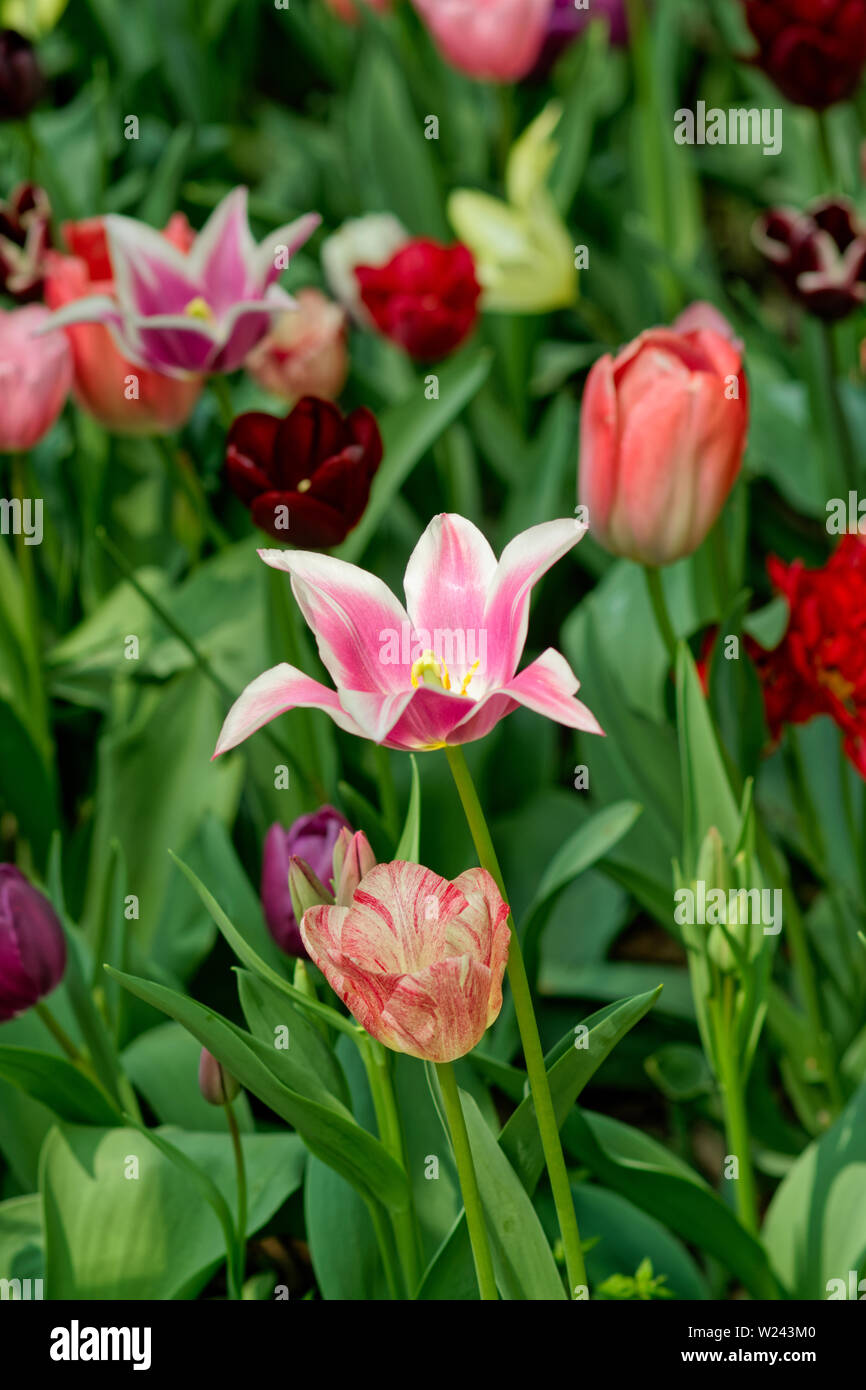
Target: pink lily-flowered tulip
(417,960)
(441,671)
(498,40)
(35,377)
(201,311)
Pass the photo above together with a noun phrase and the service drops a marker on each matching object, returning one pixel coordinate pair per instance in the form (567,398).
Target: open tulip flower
(442,670)
(201,311)
(417,960)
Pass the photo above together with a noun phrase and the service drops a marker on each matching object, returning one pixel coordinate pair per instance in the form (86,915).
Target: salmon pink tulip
(417,960)
(35,377)
(203,311)
(662,433)
(499,40)
(442,670)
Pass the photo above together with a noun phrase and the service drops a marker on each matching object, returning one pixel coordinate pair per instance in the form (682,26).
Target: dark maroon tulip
(217,1085)
(814,50)
(20,79)
(25,235)
(819,254)
(311,838)
(312,470)
(32,944)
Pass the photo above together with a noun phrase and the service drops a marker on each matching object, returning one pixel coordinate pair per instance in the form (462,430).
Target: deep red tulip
(25,234)
(20,78)
(306,479)
(425,298)
(820,255)
(814,50)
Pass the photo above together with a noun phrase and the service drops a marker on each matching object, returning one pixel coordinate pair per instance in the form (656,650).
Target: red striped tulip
(662,433)
(417,960)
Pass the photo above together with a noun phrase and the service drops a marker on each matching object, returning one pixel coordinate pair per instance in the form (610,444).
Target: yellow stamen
(431,671)
(835,681)
(468,677)
(304,485)
(199,309)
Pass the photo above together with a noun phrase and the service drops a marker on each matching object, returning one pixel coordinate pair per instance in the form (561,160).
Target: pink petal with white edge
(223,257)
(293,236)
(353,614)
(548,686)
(426,720)
(522,563)
(151,276)
(273,693)
(447,579)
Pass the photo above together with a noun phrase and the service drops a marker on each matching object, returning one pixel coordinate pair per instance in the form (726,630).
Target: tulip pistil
(431,671)
(198,308)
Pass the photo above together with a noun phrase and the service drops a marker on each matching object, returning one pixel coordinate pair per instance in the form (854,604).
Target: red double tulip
(662,433)
(814,50)
(306,479)
(425,298)
(123,397)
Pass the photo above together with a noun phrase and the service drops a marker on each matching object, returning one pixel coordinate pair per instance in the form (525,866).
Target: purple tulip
(567,22)
(311,838)
(32,944)
(184,314)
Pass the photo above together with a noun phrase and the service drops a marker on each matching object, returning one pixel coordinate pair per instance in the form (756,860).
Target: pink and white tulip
(442,670)
(201,311)
(35,377)
(417,960)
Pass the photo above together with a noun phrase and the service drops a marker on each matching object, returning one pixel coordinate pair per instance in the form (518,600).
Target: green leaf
(409,847)
(58,1084)
(162,1064)
(408,431)
(707,796)
(815,1230)
(21,1252)
(680,1071)
(110,1234)
(270,1014)
(328,1130)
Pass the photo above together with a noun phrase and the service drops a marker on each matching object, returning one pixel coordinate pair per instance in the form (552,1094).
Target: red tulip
(306,479)
(425,298)
(662,433)
(814,50)
(152,403)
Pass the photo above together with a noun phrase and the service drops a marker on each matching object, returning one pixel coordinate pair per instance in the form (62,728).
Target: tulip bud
(310,840)
(662,434)
(20,78)
(32,944)
(344,840)
(359,860)
(305,889)
(217,1085)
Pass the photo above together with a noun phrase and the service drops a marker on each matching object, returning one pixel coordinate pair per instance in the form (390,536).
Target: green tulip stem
(468,1182)
(841,427)
(241,1176)
(733,1101)
(655,589)
(532,1051)
(59,1034)
(403,1221)
(223,395)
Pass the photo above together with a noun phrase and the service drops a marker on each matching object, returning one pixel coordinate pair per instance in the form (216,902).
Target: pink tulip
(417,960)
(35,377)
(662,433)
(201,311)
(304,352)
(441,671)
(499,40)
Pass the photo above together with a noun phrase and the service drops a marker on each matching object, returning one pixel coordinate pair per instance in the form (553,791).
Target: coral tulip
(417,960)
(662,433)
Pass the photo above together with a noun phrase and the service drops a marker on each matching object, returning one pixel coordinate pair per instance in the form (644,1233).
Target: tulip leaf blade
(57,1083)
(707,796)
(268,1010)
(329,1131)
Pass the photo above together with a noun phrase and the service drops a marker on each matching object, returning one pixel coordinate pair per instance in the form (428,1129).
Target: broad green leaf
(112,1234)
(328,1130)
(815,1230)
(162,1064)
(21,1252)
(273,1019)
(58,1084)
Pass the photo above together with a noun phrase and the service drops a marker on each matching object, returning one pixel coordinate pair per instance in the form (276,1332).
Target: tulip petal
(523,562)
(354,616)
(282,244)
(273,693)
(548,686)
(446,582)
(150,275)
(224,255)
